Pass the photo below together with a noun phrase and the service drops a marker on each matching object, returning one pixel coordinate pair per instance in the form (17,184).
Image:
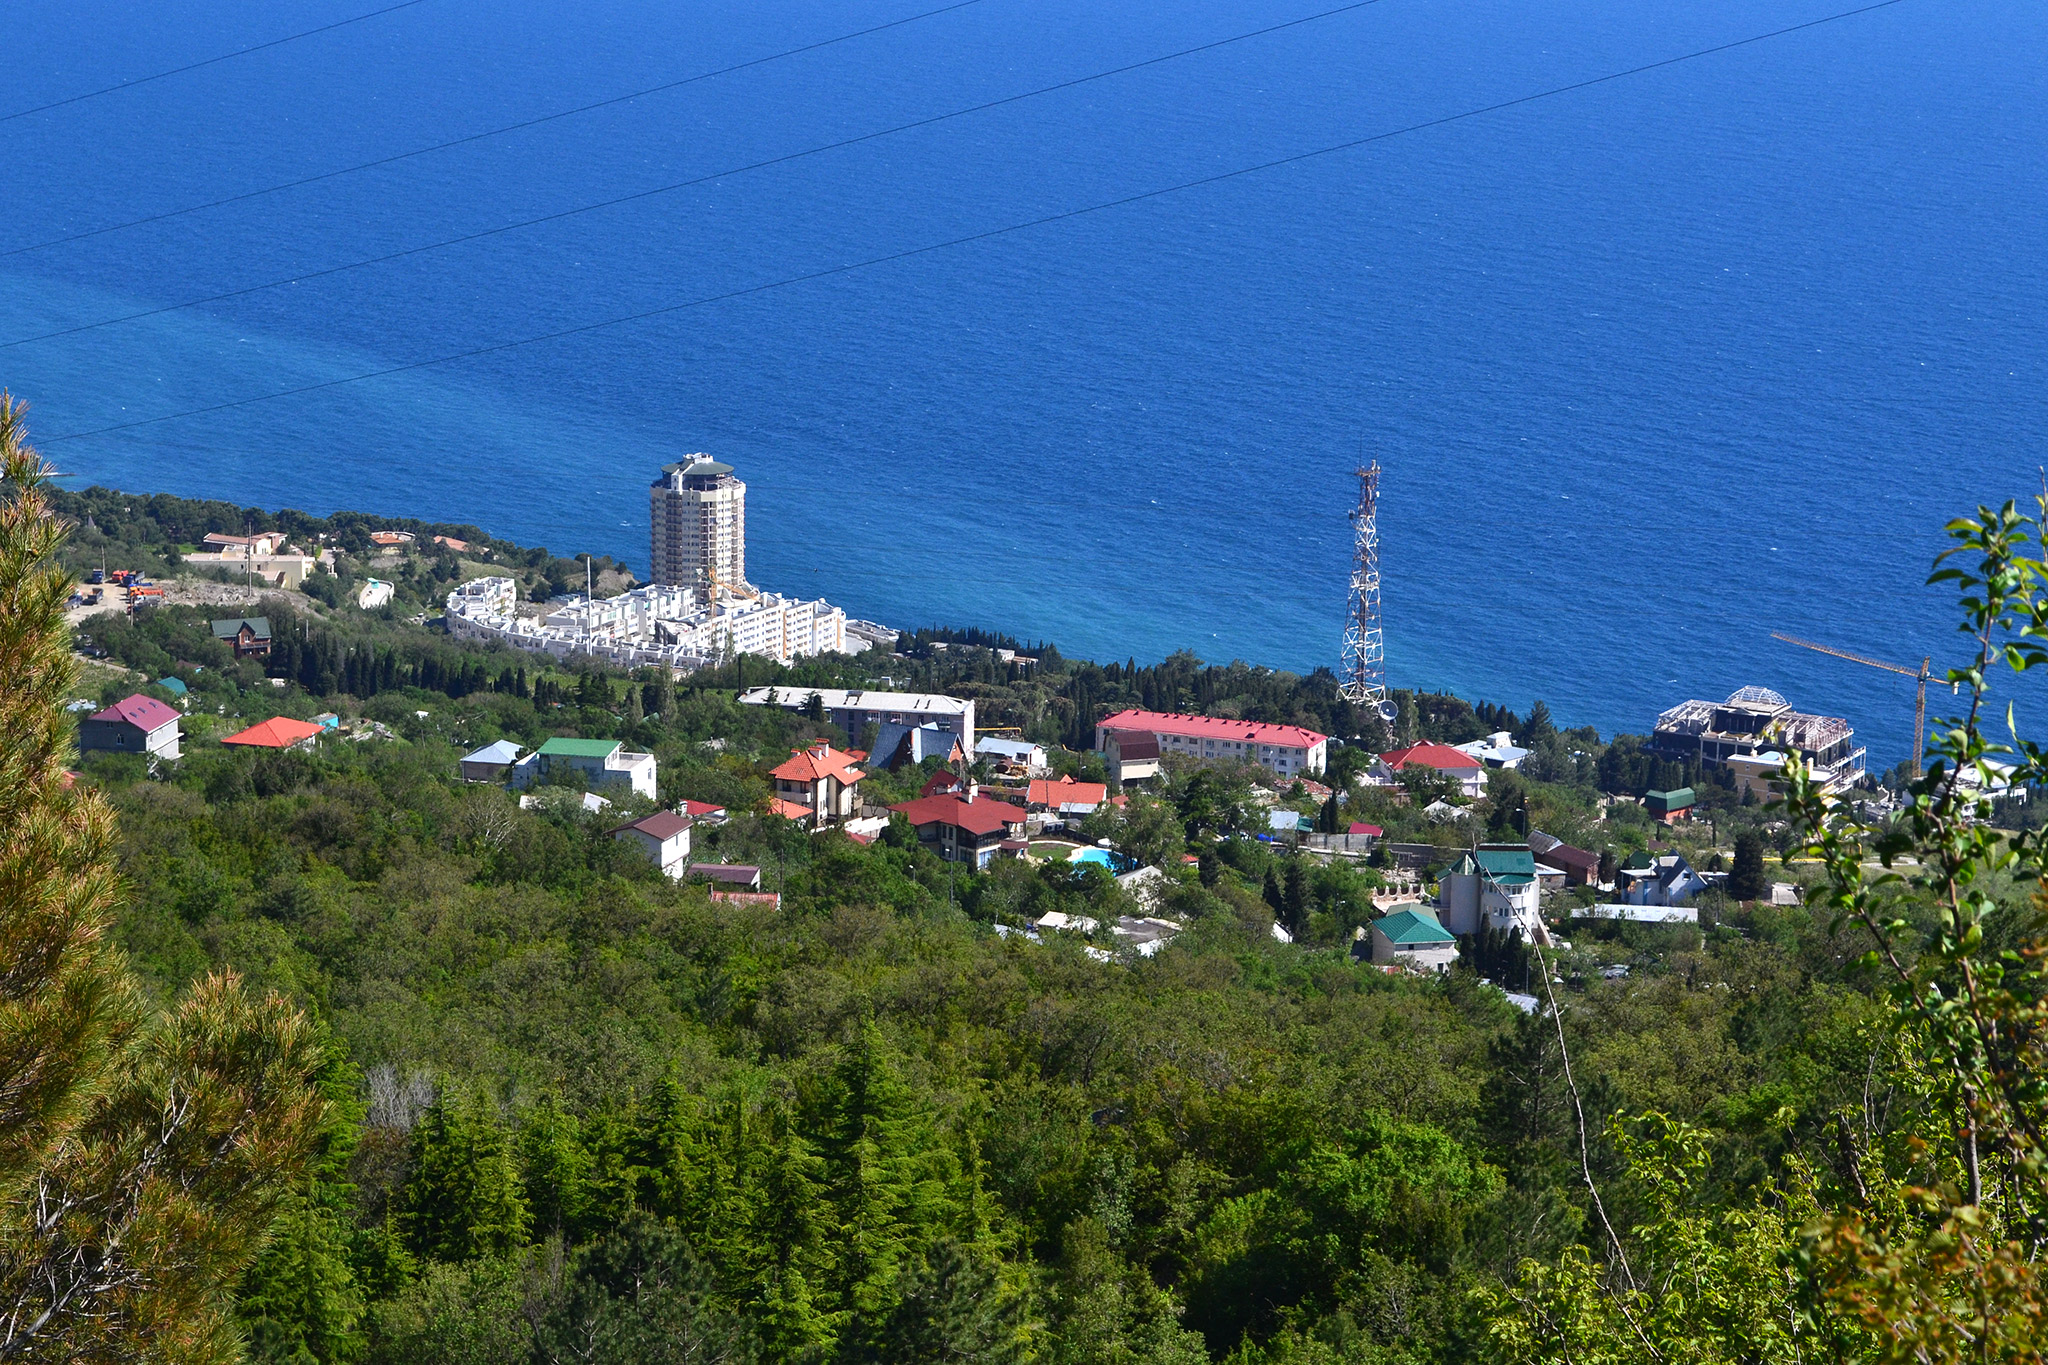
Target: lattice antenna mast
(1365,677)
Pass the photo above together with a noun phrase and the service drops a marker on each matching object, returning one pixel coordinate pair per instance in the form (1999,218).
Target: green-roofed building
(1668,806)
(1413,938)
(1494,885)
(599,763)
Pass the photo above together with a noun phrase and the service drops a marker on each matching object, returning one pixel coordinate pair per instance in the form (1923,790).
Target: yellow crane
(1920,675)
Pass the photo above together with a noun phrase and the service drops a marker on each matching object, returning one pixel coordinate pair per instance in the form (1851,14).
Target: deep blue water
(1653,368)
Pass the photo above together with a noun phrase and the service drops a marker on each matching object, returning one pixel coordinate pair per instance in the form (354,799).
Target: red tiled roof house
(1468,772)
(970,829)
(819,784)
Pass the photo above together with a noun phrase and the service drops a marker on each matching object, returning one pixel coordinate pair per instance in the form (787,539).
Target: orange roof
(1066,792)
(279,732)
(788,810)
(819,761)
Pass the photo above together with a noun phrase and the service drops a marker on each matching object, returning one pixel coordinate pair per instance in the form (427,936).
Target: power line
(787,157)
(486,134)
(210,61)
(988,234)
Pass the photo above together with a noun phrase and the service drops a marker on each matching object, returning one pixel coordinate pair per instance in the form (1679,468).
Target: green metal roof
(1676,799)
(1503,866)
(1413,926)
(228,630)
(560,747)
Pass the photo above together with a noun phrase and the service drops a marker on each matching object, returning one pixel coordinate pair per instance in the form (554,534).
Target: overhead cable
(487,133)
(983,236)
(638,195)
(210,61)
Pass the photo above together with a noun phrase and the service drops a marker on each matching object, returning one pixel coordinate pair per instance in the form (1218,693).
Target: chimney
(973,789)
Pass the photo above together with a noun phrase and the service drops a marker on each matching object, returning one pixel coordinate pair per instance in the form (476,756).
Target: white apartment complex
(657,624)
(699,531)
(699,610)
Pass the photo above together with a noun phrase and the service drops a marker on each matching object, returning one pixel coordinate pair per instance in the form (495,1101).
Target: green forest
(472,1082)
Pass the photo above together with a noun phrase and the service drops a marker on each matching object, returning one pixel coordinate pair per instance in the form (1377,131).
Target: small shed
(1670,806)
(490,763)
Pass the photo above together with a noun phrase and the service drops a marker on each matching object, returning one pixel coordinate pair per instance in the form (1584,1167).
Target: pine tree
(142,1157)
(463,1198)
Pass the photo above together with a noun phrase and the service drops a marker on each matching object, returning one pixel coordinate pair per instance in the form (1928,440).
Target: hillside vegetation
(576,1111)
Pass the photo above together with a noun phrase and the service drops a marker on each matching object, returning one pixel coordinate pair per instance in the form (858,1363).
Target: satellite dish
(1388,711)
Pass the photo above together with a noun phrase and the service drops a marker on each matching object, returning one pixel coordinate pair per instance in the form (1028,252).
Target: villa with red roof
(279,732)
(970,829)
(1468,772)
(133,725)
(1288,750)
(819,784)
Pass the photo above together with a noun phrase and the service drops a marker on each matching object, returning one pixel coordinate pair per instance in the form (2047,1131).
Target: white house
(1668,880)
(1497,750)
(134,725)
(1017,754)
(664,837)
(1462,768)
(1494,884)
(600,762)
(1412,938)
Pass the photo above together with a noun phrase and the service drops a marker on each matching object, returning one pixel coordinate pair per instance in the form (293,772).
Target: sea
(1653,366)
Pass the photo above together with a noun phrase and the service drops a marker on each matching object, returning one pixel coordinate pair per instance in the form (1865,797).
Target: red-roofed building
(279,732)
(771,900)
(1288,750)
(1370,831)
(703,812)
(1065,797)
(968,829)
(133,725)
(663,836)
(1468,772)
(821,780)
(942,780)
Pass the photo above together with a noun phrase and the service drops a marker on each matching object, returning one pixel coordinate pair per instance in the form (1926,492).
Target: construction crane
(1920,675)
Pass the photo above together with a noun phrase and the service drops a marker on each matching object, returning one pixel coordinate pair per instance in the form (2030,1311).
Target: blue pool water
(1101,857)
(1654,368)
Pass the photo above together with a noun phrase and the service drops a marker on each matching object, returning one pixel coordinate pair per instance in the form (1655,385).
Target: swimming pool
(1101,857)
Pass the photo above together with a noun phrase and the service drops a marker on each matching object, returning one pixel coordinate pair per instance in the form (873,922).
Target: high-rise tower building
(700,526)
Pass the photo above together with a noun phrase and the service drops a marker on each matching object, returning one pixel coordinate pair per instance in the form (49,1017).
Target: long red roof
(1213,727)
(980,816)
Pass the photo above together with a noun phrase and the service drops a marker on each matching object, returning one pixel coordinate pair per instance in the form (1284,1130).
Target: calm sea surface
(1653,368)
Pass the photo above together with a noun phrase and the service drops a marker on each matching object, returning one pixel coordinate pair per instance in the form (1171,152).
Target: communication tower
(1365,676)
